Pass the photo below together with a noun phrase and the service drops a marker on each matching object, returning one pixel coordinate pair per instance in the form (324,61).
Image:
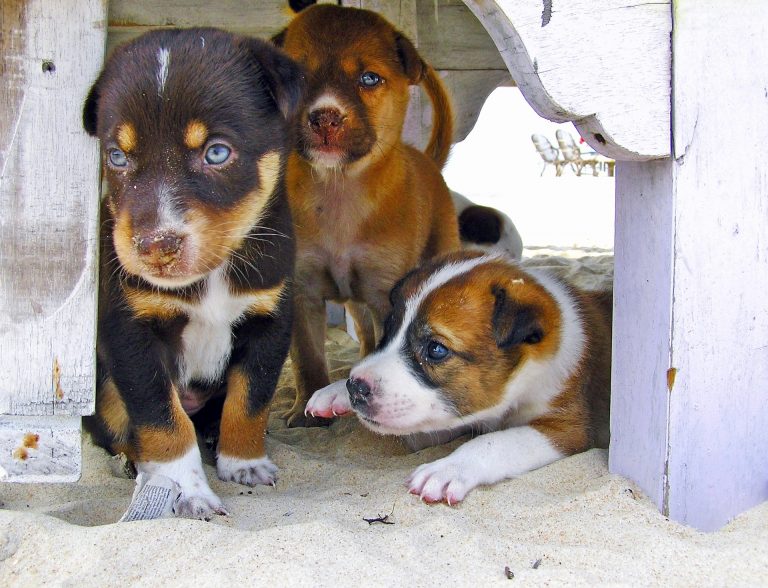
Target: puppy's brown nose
(326,122)
(158,248)
(359,391)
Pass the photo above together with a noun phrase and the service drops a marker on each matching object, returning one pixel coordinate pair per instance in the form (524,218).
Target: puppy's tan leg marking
(242,432)
(111,409)
(163,444)
(241,455)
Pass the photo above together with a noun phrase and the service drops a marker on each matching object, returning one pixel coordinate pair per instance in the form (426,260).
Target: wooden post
(690,367)
(691,370)
(50,51)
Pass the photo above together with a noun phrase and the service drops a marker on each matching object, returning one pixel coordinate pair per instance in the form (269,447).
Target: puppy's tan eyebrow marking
(126,137)
(195,134)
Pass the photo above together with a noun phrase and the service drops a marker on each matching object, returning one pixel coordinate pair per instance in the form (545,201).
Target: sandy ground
(570,523)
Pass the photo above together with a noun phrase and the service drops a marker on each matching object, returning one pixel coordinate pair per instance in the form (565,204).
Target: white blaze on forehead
(163,60)
(442,276)
(327,100)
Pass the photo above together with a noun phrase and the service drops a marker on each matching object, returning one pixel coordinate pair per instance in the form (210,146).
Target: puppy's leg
(364,326)
(241,456)
(161,437)
(310,370)
(444,232)
(485,459)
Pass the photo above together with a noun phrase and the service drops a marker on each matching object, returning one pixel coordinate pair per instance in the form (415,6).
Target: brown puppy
(367,207)
(476,342)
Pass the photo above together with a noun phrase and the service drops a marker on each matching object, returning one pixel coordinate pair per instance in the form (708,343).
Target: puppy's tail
(442,118)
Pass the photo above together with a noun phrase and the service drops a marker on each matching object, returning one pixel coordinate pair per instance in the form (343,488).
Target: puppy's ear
(413,65)
(91,110)
(513,323)
(283,77)
(299,5)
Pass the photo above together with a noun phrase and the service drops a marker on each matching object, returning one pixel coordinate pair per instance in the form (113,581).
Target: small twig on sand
(384,520)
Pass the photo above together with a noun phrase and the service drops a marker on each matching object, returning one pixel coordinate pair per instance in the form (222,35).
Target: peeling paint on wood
(619,88)
(50,53)
(671,374)
(40,449)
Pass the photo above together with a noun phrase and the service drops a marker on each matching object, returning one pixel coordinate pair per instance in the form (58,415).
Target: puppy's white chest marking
(207,337)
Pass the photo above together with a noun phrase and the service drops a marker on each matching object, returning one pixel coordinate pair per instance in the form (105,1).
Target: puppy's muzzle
(158,249)
(327,123)
(359,392)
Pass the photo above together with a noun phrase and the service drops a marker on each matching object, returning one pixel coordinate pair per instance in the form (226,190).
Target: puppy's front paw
(198,504)
(331,401)
(195,498)
(445,480)
(249,472)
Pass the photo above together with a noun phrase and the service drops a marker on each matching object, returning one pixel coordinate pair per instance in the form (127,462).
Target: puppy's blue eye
(369,79)
(436,351)
(117,158)
(217,154)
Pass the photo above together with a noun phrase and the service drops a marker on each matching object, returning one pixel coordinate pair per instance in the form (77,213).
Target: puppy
(485,228)
(474,341)
(197,251)
(367,207)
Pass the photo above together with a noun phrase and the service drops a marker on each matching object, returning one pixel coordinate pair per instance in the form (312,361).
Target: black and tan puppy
(197,251)
(367,206)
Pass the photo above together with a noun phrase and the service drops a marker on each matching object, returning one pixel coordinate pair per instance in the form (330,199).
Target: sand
(570,523)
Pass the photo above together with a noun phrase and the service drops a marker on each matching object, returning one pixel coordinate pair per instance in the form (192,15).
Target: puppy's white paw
(331,401)
(195,499)
(445,480)
(198,505)
(249,472)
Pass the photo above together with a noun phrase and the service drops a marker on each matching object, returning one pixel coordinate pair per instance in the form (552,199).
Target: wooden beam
(49,194)
(603,65)
(691,338)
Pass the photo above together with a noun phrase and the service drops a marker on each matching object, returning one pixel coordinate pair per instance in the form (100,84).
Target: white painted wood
(691,277)
(49,183)
(40,449)
(603,65)
(642,290)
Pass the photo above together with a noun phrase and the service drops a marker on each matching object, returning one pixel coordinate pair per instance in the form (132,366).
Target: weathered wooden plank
(603,65)
(691,373)
(48,207)
(130,18)
(451,37)
(718,463)
(40,449)
(642,294)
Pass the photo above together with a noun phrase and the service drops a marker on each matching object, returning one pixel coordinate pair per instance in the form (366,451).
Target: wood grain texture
(48,209)
(40,449)
(642,298)
(603,65)
(718,462)
(691,325)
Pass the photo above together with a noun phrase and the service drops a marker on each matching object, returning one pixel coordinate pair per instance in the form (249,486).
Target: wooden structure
(691,327)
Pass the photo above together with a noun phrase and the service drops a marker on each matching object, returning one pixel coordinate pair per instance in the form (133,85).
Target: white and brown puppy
(474,341)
